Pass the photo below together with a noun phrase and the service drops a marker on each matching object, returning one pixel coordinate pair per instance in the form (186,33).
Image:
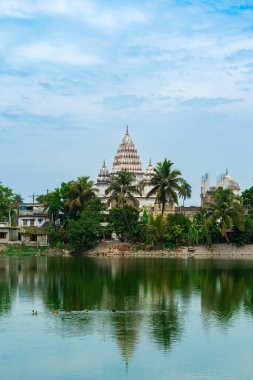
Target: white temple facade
(127,158)
(224,181)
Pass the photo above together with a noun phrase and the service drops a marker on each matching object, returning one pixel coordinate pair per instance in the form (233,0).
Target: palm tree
(225,211)
(185,192)
(155,230)
(168,184)
(122,187)
(80,191)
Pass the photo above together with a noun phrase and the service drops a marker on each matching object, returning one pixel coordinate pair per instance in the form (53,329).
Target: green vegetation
(9,204)
(123,189)
(21,250)
(78,219)
(168,185)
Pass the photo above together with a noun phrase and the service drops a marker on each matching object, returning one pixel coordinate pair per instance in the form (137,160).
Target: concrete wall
(41,240)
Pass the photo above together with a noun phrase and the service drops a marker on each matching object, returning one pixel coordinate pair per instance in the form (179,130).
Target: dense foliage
(168,185)
(9,204)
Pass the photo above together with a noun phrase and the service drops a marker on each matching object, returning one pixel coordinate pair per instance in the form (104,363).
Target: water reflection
(147,294)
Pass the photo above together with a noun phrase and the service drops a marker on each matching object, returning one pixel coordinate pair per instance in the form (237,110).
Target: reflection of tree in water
(143,291)
(8,286)
(166,322)
(19,274)
(224,290)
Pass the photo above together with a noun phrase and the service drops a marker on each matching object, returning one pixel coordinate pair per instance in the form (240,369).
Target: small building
(32,215)
(32,220)
(34,236)
(8,233)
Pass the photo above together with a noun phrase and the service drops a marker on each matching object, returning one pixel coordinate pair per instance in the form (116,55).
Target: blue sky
(74,73)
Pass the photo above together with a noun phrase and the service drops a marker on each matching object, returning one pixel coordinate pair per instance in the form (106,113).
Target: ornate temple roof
(127,156)
(149,171)
(104,175)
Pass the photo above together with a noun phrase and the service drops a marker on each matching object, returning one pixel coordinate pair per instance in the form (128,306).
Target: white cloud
(54,53)
(94,14)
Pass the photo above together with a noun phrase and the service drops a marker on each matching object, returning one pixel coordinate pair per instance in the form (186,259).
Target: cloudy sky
(74,73)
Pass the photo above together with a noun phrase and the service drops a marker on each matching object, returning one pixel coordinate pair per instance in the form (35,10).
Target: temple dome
(226,182)
(104,175)
(127,156)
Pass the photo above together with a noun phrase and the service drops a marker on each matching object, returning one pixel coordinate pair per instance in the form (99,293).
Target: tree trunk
(163,207)
(226,237)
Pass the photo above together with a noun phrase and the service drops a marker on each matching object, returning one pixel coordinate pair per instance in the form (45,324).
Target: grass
(21,250)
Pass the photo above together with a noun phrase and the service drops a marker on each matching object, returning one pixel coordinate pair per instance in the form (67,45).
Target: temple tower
(128,158)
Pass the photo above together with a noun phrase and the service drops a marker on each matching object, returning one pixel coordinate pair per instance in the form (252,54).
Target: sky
(74,73)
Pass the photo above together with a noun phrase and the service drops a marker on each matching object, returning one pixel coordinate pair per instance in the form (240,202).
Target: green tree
(202,233)
(85,232)
(225,211)
(167,184)
(125,222)
(178,228)
(247,198)
(55,202)
(80,191)
(7,200)
(155,231)
(123,188)
(185,191)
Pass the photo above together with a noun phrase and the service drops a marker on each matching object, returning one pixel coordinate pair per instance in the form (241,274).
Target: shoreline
(126,250)
(217,251)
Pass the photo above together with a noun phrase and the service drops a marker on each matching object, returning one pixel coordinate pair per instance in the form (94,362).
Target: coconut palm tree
(122,187)
(226,211)
(167,184)
(185,192)
(80,191)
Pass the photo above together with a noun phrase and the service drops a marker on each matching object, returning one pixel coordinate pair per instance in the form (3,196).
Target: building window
(3,235)
(33,237)
(24,222)
(32,223)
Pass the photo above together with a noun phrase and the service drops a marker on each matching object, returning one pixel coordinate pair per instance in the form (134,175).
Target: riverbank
(222,251)
(117,249)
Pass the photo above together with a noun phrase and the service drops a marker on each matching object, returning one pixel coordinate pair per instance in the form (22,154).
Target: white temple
(127,158)
(224,180)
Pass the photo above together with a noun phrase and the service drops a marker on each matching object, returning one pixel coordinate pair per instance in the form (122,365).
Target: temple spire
(127,156)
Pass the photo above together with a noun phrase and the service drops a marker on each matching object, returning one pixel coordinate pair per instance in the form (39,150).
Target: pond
(146,318)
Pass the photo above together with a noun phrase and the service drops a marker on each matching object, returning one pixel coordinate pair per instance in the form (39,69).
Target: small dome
(104,175)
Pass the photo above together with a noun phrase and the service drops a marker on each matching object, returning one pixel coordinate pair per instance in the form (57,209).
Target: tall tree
(122,188)
(167,184)
(80,191)
(225,211)
(7,199)
(247,197)
(185,191)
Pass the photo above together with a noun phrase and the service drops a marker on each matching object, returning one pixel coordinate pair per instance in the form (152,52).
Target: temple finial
(104,163)
(127,130)
(227,171)
(150,163)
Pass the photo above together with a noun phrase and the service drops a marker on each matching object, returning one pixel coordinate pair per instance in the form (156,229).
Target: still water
(174,319)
